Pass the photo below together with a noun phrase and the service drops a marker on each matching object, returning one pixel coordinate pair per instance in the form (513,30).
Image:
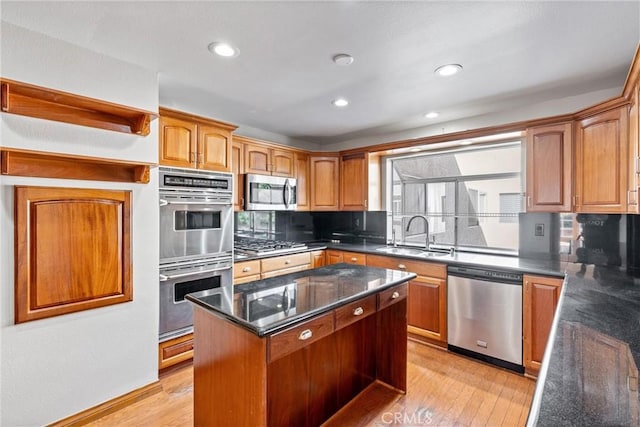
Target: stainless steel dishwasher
(484,315)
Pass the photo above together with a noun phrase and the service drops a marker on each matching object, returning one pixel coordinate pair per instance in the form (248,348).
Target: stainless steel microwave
(270,193)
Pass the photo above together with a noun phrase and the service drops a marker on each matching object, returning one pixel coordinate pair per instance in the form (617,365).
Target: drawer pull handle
(358,311)
(395,295)
(287,262)
(402,266)
(246,269)
(354,259)
(305,335)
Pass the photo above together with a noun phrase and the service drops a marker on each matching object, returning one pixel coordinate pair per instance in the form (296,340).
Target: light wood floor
(444,389)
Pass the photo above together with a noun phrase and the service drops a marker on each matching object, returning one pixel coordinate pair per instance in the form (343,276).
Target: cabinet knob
(395,295)
(358,311)
(354,259)
(305,335)
(287,261)
(402,266)
(246,269)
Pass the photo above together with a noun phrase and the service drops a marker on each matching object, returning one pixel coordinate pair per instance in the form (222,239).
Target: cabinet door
(427,315)
(177,142)
(602,163)
(237,167)
(549,171)
(540,299)
(353,182)
(354,258)
(318,259)
(324,183)
(282,163)
(214,148)
(301,161)
(175,351)
(334,257)
(257,159)
(634,142)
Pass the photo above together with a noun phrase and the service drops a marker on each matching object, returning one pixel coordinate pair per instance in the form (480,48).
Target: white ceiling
(283,81)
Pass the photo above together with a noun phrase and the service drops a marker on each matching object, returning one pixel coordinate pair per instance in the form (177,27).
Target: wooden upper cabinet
(634,150)
(264,160)
(325,172)
(237,168)
(302,175)
(177,142)
(540,300)
(214,148)
(549,171)
(190,141)
(601,162)
(353,182)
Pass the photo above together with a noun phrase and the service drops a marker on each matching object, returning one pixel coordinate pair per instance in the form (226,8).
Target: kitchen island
(294,349)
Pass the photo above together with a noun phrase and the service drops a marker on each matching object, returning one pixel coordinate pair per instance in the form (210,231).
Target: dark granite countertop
(589,374)
(520,264)
(266,306)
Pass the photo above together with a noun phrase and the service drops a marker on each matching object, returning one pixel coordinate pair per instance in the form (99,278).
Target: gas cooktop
(258,247)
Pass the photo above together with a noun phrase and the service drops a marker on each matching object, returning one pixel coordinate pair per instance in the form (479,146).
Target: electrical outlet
(539,230)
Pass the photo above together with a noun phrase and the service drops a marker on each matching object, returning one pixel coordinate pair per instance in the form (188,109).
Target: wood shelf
(67,166)
(43,103)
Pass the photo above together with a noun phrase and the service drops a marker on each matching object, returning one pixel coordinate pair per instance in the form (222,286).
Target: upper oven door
(272,193)
(192,227)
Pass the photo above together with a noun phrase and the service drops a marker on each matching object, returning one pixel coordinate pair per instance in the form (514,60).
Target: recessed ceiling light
(343,59)
(223,49)
(340,102)
(432,115)
(448,70)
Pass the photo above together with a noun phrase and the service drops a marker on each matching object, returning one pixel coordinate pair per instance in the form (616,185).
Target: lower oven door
(194,227)
(176,313)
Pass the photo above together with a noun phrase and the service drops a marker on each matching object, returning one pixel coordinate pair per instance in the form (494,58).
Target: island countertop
(269,305)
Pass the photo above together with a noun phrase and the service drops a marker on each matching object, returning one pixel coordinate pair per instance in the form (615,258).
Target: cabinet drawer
(285,261)
(421,268)
(391,296)
(175,351)
(292,339)
(354,258)
(275,273)
(355,311)
(246,268)
(246,279)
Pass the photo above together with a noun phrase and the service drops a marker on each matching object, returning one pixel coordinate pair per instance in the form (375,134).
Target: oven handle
(164,277)
(167,202)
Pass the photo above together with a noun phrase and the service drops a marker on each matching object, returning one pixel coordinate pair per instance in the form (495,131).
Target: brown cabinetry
(175,351)
(237,167)
(318,259)
(601,162)
(190,141)
(336,256)
(549,168)
(539,301)
(325,173)
(303,181)
(634,150)
(427,299)
(246,271)
(266,160)
(354,185)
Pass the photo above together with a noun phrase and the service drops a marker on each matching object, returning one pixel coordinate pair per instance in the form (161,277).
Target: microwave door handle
(286,193)
(164,277)
(286,299)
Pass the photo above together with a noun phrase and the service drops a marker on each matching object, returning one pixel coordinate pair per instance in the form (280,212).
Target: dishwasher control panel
(486,274)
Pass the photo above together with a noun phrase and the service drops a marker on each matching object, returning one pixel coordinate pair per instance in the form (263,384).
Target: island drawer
(391,296)
(355,311)
(301,335)
(246,268)
(285,261)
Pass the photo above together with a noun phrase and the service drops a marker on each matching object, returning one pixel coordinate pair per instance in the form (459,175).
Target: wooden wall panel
(73,250)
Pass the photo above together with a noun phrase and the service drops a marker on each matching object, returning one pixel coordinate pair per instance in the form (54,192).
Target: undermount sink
(411,252)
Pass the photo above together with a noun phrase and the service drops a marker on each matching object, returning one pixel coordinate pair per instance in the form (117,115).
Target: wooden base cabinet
(427,300)
(283,380)
(540,300)
(175,350)
(336,256)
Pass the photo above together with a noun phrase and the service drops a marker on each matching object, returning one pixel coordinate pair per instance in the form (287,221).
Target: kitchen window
(471,196)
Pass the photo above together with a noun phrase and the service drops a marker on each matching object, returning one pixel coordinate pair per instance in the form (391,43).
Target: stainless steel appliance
(269,305)
(270,193)
(209,277)
(196,243)
(485,315)
(259,247)
(196,214)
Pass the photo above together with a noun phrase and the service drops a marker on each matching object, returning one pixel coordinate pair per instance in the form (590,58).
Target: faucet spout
(426,224)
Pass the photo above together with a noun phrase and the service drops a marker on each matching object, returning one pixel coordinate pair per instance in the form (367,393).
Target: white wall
(56,367)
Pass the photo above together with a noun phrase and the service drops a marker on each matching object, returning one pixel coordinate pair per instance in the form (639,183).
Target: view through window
(471,197)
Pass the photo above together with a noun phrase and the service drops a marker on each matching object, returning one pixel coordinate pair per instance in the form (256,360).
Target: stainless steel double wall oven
(196,243)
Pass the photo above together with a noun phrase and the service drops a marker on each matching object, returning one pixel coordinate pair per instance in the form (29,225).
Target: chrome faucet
(426,223)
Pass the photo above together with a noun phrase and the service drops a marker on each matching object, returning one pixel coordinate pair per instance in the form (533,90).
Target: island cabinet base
(242,379)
